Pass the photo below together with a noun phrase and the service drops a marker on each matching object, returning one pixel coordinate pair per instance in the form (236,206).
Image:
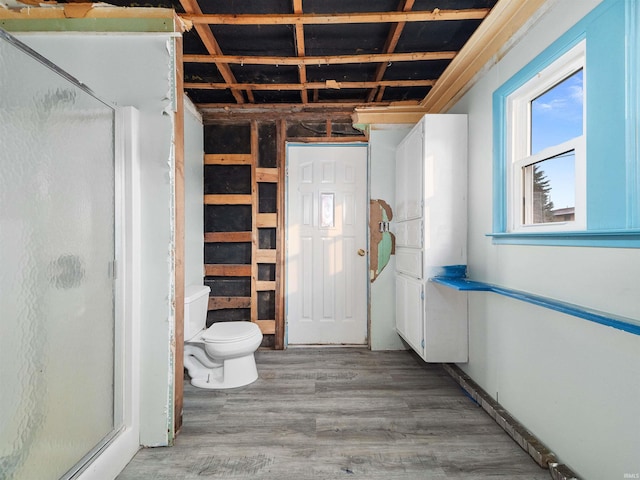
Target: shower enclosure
(60,340)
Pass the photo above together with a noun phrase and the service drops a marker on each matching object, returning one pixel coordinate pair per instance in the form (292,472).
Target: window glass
(557,114)
(551,187)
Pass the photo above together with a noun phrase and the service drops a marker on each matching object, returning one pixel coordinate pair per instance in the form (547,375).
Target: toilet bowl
(221,356)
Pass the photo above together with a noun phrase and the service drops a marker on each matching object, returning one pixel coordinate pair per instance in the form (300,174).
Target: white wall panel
(573,383)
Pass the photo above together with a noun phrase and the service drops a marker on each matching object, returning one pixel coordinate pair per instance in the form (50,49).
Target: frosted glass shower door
(56,269)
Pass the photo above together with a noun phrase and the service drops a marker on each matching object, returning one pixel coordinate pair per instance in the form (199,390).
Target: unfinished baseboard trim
(560,471)
(523,437)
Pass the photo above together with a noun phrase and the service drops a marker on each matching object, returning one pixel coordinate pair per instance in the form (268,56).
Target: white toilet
(220,356)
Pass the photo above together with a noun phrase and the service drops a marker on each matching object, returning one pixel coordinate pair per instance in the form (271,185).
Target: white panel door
(326,244)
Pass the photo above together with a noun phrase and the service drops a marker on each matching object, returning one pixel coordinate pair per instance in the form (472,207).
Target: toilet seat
(230,332)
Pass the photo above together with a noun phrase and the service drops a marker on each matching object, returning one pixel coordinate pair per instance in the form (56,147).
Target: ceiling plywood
(436,36)
(254,39)
(337,40)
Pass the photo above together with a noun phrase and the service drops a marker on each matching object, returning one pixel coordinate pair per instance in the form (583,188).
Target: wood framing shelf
(220,303)
(265,286)
(227,199)
(227,237)
(265,256)
(266,220)
(267,327)
(227,159)
(227,270)
(267,175)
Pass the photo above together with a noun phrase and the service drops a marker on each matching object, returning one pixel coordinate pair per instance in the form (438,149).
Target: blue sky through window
(556,117)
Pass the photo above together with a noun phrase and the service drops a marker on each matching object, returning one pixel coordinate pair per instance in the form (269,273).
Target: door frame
(286,235)
(111,459)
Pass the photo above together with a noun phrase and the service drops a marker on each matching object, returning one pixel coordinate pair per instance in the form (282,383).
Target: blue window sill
(621,323)
(627,238)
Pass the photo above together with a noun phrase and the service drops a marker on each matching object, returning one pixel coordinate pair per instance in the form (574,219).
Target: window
(546,156)
(588,167)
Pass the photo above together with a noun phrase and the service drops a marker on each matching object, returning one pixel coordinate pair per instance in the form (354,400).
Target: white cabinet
(409,305)
(409,177)
(431,237)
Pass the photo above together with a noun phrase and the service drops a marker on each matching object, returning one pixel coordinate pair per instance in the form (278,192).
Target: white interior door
(326,244)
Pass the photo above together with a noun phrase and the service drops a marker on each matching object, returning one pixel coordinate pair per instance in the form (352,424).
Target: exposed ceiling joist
(338,18)
(342,108)
(311,85)
(389,47)
(490,37)
(321,60)
(211,44)
(299,39)
(345,59)
(385,77)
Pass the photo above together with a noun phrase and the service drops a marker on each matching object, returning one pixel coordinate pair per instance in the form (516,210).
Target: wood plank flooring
(337,413)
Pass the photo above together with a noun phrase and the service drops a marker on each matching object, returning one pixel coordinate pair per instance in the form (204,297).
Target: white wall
(573,383)
(193,193)
(383,140)
(126,69)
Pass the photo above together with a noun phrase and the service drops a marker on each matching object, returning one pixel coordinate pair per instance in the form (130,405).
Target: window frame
(518,136)
(612,33)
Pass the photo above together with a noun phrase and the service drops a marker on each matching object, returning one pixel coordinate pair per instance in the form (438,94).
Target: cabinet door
(401,234)
(446,326)
(409,261)
(414,230)
(445,190)
(413,168)
(410,312)
(409,155)
(409,233)
(401,207)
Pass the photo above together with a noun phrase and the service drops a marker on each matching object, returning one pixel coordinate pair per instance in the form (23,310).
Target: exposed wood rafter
(299,33)
(321,60)
(313,85)
(211,44)
(389,47)
(337,18)
(310,91)
(492,35)
(491,38)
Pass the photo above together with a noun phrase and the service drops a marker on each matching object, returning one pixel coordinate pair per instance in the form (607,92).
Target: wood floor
(337,413)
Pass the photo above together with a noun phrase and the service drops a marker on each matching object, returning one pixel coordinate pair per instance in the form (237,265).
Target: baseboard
(540,453)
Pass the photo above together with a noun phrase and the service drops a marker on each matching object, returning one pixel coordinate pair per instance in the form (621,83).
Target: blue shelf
(466,285)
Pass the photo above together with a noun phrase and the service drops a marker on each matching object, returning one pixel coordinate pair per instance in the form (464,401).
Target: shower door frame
(108,461)
(110,456)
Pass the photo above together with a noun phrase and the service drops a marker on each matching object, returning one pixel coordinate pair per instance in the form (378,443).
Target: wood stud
(274,256)
(254,221)
(258,220)
(281,138)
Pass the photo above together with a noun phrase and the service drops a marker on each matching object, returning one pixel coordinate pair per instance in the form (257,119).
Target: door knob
(361,252)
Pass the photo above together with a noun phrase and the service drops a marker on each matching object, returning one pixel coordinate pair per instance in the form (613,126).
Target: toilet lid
(223,332)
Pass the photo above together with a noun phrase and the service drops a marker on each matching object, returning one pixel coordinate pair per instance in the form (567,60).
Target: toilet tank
(196,303)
